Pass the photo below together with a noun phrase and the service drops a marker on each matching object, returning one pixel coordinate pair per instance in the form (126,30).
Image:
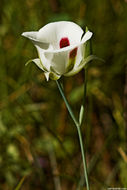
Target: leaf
(20,183)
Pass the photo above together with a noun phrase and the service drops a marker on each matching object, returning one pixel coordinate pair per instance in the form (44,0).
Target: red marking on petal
(64,42)
(73,53)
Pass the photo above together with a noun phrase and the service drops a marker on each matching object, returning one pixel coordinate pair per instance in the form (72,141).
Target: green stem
(79,133)
(85,86)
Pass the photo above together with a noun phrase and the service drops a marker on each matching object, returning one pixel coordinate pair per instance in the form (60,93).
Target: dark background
(38,139)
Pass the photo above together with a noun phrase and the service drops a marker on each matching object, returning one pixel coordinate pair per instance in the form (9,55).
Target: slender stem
(66,102)
(85,86)
(79,133)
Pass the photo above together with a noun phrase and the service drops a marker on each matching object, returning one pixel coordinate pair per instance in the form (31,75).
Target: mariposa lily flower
(61,48)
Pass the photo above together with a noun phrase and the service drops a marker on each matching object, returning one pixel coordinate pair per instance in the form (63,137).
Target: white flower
(60,47)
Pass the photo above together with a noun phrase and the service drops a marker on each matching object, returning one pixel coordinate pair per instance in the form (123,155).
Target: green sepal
(38,62)
(31,60)
(82,65)
(54,76)
(51,75)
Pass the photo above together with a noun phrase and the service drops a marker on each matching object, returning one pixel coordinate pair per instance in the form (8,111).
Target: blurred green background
(38,140)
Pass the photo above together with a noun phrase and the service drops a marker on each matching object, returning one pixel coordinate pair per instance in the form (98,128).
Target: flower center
(64,42)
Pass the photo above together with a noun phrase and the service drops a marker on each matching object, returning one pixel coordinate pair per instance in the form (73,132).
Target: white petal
(70,30)
(33,37)
(87,36)
(53,32)
(61,62)
(44,60)
(30,35)
(81,50)
(57,60)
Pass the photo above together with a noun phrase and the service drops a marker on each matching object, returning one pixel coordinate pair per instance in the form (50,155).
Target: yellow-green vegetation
(39,146)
